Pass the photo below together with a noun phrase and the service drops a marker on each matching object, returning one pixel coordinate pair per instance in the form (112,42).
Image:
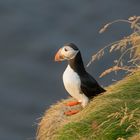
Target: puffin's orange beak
(58,56)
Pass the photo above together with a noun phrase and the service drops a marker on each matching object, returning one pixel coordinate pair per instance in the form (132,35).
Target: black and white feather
(78,83)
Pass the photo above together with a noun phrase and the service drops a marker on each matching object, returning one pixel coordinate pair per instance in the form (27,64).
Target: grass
(114,115)
(129,47)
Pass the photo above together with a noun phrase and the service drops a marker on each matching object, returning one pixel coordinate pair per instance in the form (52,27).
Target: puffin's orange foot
(72,103)
(72,112)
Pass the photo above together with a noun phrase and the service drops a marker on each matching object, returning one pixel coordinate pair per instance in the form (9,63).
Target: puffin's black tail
(102,90)
(98,91)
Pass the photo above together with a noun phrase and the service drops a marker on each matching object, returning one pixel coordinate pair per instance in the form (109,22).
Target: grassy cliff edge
(114,115)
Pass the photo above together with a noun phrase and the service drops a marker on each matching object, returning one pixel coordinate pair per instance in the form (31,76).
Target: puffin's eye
(65,49)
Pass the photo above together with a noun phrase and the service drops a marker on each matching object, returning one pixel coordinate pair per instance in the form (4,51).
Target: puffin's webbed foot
(71,112)
(72,103)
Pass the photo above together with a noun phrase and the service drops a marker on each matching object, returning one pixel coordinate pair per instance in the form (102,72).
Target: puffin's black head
(72,45)
(67,52)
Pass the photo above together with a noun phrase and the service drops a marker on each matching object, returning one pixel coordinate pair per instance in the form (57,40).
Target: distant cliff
(114,115)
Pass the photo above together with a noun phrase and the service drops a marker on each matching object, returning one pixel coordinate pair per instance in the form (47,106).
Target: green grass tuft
(110,116)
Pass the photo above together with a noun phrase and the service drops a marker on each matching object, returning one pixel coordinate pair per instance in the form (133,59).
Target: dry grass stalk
(120,139)
(115,68)
(135,137)
(121,116)
(129,44)
(46,128)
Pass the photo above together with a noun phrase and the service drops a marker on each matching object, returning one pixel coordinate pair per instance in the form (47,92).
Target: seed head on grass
(127,45)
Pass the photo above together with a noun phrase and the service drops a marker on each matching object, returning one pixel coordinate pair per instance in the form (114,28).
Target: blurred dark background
(31,31)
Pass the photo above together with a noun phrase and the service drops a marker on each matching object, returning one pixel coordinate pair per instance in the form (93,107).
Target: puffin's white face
(65,53)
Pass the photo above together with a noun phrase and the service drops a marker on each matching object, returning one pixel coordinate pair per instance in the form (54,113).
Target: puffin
(77,81)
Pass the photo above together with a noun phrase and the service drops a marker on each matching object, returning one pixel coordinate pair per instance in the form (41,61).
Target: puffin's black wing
(89,86)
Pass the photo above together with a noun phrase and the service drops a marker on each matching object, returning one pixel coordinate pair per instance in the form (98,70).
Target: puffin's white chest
(72,82)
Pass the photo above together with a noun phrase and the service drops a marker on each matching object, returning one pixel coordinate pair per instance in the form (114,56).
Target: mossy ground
(114,115)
